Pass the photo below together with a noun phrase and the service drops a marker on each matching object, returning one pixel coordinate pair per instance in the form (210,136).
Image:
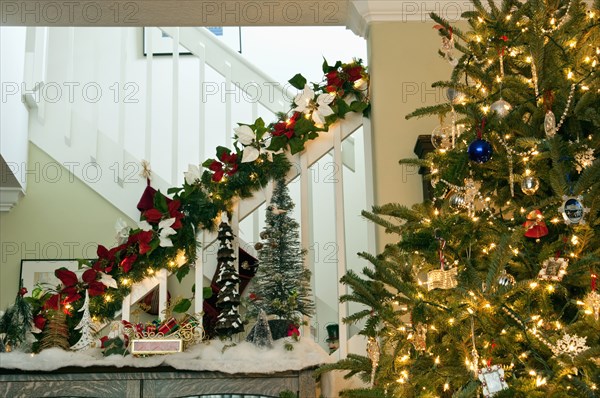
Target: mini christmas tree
(484,294)
(282,283)
(228,299)
(260,335)
(15,323)
(56,332)
(85,326)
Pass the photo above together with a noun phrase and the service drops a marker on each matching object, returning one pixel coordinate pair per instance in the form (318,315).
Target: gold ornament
(592,302)
(441,279)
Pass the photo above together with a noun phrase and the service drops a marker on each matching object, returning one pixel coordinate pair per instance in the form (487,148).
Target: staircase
(125,107)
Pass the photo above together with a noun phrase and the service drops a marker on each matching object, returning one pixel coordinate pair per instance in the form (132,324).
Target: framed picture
(162,44)
(554,269)
(41,272)
(492,380)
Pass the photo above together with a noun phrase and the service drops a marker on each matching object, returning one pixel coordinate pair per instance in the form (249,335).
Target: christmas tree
(491,289)
(85,326)
(228,280)
(15,323)
(260,334)
(282,283)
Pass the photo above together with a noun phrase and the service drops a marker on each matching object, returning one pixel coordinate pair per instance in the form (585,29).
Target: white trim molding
(9,197)
(362,13)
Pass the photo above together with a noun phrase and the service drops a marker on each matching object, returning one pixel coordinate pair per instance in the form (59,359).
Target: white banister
(175,110)
(121,107)
(369,186)
(149,75)
(340,235)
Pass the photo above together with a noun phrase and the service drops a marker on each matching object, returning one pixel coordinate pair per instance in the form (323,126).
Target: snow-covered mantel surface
(241,358)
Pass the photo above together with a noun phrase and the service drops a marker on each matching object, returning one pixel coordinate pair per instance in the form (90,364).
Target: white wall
(13,113)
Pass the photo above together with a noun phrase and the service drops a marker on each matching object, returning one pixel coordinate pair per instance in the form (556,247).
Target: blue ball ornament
(480,151)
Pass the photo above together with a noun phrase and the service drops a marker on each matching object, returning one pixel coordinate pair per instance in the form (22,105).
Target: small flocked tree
(260,335)
(228,280)
(282,284)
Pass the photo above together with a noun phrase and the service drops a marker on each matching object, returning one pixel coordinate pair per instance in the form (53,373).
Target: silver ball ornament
(454,96)
(530,185)
(501,107)
(441,137)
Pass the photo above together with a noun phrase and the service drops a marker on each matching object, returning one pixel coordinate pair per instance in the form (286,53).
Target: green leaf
(208,162)
(182,306)
(173,190)
(182,272)
(312,135)
(207,292)
(221,150)
(160,202)
(259,123)
(343,108)
(325,66)
(278,143)
(296,145)
(358,106)
(304,126)
(298,81)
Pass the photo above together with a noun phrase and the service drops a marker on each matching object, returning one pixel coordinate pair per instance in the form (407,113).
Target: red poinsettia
(127,263)
(154,216)
(228,165)
(354,72)
(143,239)
(334,80)
(106,258)
(69,292)
(286,127)
(95,287)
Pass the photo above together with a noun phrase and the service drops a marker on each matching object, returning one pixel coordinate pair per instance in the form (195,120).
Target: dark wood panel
(270,386)
(97,389)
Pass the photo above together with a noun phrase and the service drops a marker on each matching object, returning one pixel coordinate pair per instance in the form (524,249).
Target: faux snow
(242,358)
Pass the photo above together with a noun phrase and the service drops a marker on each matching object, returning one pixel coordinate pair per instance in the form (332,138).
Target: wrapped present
(169,326)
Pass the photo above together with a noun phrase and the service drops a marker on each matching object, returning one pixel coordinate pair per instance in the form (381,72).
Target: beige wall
(403,62)
(59,218)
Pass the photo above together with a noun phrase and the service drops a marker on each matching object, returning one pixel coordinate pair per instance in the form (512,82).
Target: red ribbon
(505,39)
(480,130)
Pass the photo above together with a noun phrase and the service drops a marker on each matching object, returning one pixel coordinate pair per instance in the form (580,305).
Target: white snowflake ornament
(570,345)
(584,159)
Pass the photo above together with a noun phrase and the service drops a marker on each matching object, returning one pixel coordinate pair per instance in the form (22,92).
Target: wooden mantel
(160,382)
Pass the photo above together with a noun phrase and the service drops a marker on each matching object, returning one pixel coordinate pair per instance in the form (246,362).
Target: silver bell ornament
(501,107)
(457,201)
(530,185)
(441,137)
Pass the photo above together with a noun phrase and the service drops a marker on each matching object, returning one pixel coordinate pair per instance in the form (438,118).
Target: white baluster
(201,54)
(199,277)
(162,292)
(149,65)
(126,308)
(175,110)
(340,235)
(228,85)
(121,105)
(306,231)
(369,187)
(70,78)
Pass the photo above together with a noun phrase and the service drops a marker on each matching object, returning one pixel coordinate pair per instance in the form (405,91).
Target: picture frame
(492,380)
(554,269)
(42,272)
(162,44)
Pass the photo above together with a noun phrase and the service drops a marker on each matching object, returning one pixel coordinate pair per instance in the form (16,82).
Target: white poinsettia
(108,280)
(192,175)
(319,108)
(122,231)
(165,231)
(245,134)
(145,226)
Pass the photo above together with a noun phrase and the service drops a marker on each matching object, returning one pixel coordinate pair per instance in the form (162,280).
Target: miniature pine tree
(521,229)
(260,335)
(15,323)
(282,283)
(85,326)
(56,332)
(228,299)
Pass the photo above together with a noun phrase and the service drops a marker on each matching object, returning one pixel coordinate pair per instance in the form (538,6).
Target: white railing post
(126,308)
(340,235)
(162,292)
(369,186)
(201,104)
(175,110)
(227,95)
(121,106)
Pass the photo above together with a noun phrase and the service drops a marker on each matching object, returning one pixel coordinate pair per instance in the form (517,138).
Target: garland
(166,235)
